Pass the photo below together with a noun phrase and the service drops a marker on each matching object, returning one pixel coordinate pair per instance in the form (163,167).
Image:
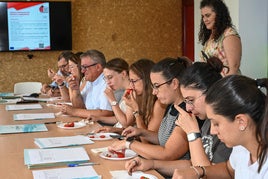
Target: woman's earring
(242,128)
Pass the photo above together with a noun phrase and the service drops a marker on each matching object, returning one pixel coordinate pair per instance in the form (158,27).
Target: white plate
(128,155)
(101,136)
(76,125)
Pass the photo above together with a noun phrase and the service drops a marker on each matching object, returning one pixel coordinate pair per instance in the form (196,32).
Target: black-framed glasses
(64,66)
(157,86)
(85,67)
(191,101)
(134,81)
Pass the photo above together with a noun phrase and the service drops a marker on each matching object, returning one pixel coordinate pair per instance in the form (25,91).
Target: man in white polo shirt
(91,100)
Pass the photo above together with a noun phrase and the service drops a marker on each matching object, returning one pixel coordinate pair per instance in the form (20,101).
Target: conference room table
(12,145)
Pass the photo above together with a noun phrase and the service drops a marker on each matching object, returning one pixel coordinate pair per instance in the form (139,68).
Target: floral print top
(216,49)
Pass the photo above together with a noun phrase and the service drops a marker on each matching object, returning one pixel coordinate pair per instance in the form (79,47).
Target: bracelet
(203,170)
(196,171)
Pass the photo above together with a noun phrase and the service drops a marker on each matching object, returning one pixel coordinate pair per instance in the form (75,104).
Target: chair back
(27,87)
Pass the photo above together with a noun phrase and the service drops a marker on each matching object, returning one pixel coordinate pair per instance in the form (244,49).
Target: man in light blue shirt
(91,101)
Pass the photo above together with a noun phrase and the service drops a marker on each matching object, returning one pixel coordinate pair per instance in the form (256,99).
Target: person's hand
(186,121)
(73,82)
(67,109)
(50,73)
(130,99)
(109,94)
(131,131)
(138,164)
(117,145)
(187,173)
(53,92)
(58,79)
(104,129)
(45,88)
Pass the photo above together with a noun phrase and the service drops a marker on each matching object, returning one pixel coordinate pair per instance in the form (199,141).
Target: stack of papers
(62,141)
(85,172)
(8,129)
(36,158)
(32,116)
(23,107)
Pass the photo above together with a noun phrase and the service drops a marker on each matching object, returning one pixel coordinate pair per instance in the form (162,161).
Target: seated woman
(116,76)
(170,142)
(205,149)
(238,112)
(75,73)
(138,99)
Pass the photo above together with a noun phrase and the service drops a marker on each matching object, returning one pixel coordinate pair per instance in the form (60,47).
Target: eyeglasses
(191,101)
(134,81)
(157,86)
(85,67)
(63,66)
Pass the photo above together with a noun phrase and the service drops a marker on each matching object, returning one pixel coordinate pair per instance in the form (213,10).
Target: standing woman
(219,37)
(238,112)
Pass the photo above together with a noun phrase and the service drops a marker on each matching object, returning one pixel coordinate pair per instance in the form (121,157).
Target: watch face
(113,103)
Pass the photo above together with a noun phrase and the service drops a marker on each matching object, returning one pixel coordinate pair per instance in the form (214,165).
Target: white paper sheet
(62,141)
(31,116)
(85,172)
(23,107)
(55,156)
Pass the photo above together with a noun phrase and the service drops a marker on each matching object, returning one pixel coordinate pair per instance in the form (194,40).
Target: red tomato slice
(102,136)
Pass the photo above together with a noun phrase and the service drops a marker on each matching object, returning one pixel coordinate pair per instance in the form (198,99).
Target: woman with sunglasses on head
(238,111)
(169,142)
(205,149)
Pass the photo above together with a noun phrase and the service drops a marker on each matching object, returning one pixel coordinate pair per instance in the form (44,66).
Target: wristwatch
(193,136)
(114,103)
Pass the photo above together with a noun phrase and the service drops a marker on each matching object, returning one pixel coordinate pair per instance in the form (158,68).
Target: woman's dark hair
(235,95)
(118,65)
(142,69)
(223,20)
(170,67)
(202,75)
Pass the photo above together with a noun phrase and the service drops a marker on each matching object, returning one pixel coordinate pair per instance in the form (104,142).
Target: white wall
(251,20)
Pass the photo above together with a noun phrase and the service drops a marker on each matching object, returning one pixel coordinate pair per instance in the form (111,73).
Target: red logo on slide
(41,8)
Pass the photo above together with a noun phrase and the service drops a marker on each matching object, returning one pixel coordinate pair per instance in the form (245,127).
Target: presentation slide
(28,23)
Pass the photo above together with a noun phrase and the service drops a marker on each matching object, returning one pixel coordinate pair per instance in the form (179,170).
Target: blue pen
(81,164)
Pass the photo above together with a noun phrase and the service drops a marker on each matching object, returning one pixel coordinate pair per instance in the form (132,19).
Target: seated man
(91,100)
(63,65)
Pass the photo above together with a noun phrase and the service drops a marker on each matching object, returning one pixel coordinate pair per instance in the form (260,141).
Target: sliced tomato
(102,136)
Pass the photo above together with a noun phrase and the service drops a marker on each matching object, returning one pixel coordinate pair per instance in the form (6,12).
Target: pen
(54,122)
(81,164)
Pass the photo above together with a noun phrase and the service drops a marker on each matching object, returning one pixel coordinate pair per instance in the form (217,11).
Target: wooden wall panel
(129,29)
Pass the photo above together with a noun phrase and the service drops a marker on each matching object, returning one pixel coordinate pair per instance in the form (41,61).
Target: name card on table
(23,107)
(23,128)
(33,116)
(36,158)
(84,172)
(62,141)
